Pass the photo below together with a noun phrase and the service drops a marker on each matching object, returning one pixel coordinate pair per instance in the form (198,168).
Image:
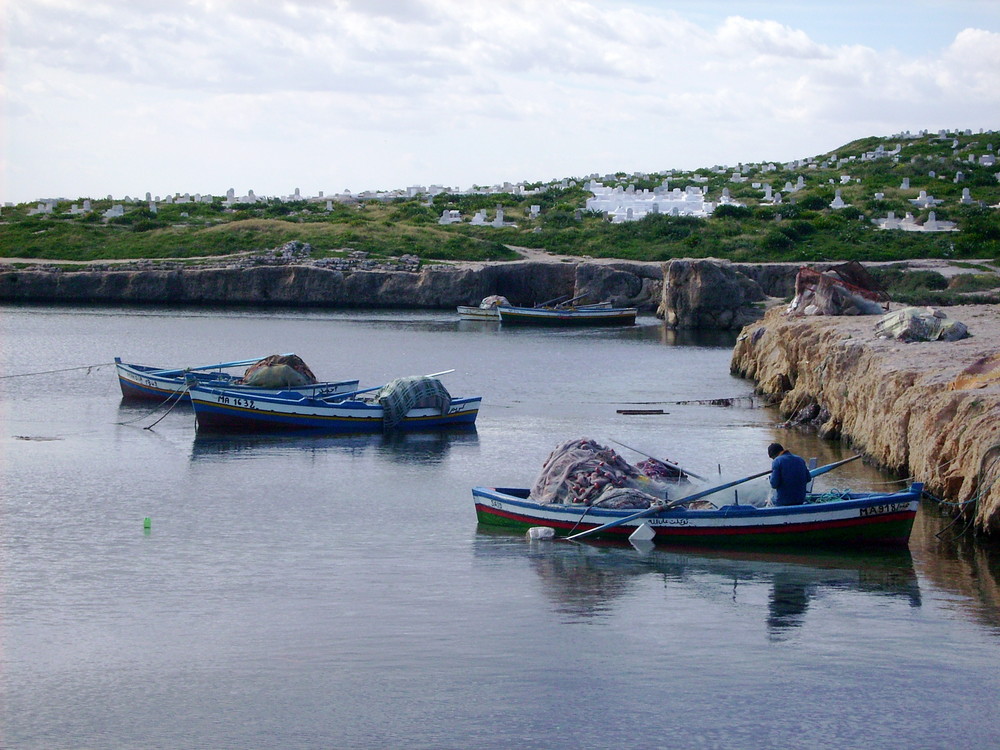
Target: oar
(571,300)
(662,461)
(342,396)
(697,496)
(560,298)
(217,366)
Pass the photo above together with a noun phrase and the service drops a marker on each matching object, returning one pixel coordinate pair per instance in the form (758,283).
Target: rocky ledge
(927,410)
(305,284)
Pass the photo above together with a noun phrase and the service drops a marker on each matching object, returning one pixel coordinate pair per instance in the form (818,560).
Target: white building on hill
(630,205)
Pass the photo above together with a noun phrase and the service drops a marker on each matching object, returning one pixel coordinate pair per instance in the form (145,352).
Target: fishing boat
(226,410)
(583,315)
(147,383)
(488,308)
(863,519)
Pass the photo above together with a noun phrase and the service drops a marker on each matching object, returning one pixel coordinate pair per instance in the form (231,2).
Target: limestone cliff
(913,407)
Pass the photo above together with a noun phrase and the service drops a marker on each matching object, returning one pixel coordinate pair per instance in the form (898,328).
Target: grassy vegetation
(803,229)
(932,288)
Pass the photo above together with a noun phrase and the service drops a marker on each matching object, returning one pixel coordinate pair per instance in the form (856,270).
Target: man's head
(774,450)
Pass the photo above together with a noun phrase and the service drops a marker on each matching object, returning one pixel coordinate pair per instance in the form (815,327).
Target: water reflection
(952,559)
(405,447)
(586,581)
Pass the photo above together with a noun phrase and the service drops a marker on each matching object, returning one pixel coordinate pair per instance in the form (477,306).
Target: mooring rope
(175,395)
(180,395)
(88,368)
(980,492)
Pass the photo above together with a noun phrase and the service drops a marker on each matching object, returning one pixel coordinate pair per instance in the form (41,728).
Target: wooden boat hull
(574,316)
(860,519)
(218,410)
(467,312)
(142,383)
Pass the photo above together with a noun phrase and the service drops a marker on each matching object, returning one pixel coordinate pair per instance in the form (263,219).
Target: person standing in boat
(789,476)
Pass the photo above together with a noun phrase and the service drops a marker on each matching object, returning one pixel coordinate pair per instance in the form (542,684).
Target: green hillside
(803,228)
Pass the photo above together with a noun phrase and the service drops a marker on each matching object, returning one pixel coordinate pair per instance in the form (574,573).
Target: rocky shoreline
(926,410)
(697,294)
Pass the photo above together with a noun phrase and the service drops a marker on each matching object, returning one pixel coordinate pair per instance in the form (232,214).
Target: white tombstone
(152,207)
(879,196)
(906,184)
(534,211)
(838,201)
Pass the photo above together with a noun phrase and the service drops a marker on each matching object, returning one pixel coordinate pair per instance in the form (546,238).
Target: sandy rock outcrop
(912,407)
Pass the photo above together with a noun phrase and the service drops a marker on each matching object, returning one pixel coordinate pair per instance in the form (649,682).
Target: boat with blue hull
(222,410)
(148,383)
(859,519)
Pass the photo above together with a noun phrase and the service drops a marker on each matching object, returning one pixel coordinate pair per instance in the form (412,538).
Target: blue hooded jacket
(790,477)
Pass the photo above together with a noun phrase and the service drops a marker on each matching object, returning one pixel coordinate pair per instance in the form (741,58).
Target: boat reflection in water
(405,447)
(587,580)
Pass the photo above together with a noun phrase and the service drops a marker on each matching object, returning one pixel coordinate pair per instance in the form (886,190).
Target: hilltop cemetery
(944,184)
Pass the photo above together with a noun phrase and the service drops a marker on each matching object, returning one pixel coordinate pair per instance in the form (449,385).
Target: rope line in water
(180,395)
(151,412)
(88,368)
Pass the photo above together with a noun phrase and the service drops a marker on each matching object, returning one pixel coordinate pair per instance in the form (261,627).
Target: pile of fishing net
(582,471)
(415,392)
(278,371)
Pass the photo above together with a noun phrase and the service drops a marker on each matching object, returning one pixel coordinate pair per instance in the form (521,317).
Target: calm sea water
(335,592)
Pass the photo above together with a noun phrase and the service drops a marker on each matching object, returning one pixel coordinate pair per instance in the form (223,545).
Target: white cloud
(381,94)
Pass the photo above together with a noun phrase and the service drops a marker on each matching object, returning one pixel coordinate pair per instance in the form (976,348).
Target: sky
(109,97)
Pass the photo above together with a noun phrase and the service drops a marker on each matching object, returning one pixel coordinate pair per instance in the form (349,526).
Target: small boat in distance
(489,308)
(862,519)
(584,315)
(147,383)
(486,310)
(419,407)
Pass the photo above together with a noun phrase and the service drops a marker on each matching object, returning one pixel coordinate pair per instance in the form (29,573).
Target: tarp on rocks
(415,392)
(279,371)
(847,289)
(582,471)
(919,324)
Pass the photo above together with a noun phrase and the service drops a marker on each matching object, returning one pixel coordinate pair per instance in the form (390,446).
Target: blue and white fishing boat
(421,407)
(860,519)
(148,383)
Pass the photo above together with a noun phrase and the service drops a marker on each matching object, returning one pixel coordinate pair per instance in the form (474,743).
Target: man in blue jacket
(789,476)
